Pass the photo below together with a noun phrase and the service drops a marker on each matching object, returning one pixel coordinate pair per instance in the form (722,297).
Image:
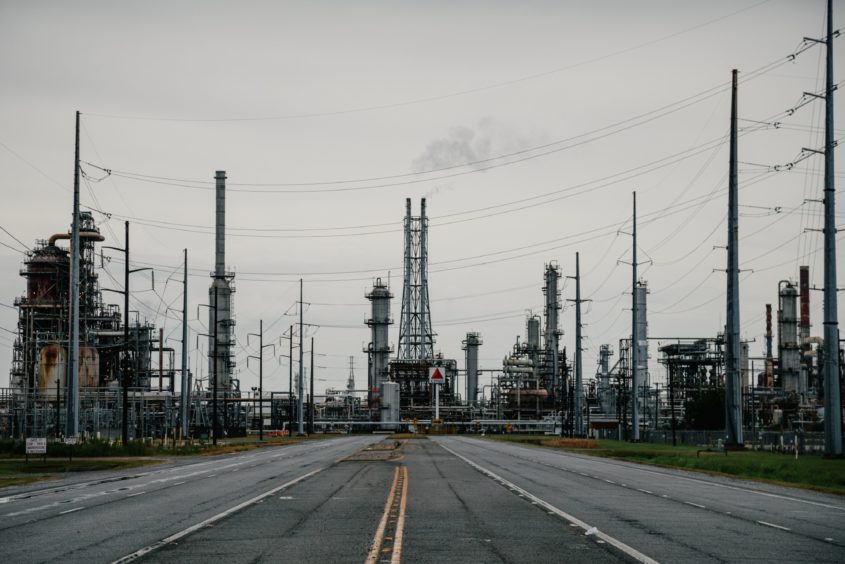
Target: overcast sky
(527,125)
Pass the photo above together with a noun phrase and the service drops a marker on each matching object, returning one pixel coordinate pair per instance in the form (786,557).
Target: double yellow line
(391,527)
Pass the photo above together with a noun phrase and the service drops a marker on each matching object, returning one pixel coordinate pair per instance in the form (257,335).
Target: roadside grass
(103,455)
(17,472)
(808,471)
(100,448)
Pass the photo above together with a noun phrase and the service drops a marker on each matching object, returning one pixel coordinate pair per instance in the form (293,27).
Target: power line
(6,231)
(441,96)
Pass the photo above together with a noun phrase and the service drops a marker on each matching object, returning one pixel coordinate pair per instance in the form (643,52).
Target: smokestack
(804,286)
(768,331)
(220,239)
(770,363)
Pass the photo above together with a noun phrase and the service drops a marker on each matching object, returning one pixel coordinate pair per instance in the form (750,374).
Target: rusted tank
(52,368)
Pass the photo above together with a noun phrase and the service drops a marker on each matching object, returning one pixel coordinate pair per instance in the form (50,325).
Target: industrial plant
(86,367)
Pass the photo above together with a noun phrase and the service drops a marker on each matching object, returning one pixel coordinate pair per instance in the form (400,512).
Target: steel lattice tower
(416,339)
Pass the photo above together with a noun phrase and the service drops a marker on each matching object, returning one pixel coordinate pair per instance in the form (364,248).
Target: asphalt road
(447,499)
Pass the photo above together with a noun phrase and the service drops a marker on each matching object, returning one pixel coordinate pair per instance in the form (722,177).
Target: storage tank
(390,416)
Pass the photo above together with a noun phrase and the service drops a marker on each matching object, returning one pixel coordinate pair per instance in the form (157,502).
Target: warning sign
(436,375)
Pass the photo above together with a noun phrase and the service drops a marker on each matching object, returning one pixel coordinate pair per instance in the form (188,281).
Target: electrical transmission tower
(416,339)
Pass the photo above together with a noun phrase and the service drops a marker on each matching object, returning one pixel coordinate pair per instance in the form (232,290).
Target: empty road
(454,499)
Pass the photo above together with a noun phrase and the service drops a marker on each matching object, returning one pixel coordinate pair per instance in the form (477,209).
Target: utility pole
(635,412)
(72,427)
(578,403)
(125,365)
(301,383)
(260,357)
(214,424)
(184,391)
(58,405)
(311,387)
(733,391)
(290,385)
(579,418)
(832,399)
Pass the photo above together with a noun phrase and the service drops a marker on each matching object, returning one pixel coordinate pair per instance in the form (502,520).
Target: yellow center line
(400,524)
(375,549)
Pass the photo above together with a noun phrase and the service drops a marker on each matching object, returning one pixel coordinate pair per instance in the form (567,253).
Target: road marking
(610,481)
(630,551)
(134,494)
(172,538)
(71,510)
(695,504)
(179,483)
(375,548)
(634,466)
(828,539)
(645,491)
(394,514)
(211,475)
(775,526)
(400,523)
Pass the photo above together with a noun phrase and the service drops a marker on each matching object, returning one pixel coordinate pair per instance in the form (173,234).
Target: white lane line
(828,539)
(633,466)
(135,494)
(645,491)
(71,510)
(211,475)
(179,483)
(172,538)
(695,505)
(630,551)
(610,481)
(775,526)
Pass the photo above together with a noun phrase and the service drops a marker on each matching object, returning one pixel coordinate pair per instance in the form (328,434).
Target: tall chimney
(768,331)
(770,362)
(220,239)
(804,288)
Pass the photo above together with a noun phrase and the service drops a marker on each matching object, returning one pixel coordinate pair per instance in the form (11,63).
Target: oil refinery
(91,358)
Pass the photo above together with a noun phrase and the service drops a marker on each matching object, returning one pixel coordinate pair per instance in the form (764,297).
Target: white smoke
(468,146)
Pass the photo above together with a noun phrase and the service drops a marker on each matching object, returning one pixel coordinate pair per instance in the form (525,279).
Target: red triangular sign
(437,375)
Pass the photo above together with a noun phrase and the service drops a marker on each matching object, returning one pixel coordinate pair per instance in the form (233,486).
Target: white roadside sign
(36,445)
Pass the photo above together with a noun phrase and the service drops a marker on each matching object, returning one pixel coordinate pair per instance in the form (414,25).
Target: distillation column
(470,345)
(379,348)
(220,298)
